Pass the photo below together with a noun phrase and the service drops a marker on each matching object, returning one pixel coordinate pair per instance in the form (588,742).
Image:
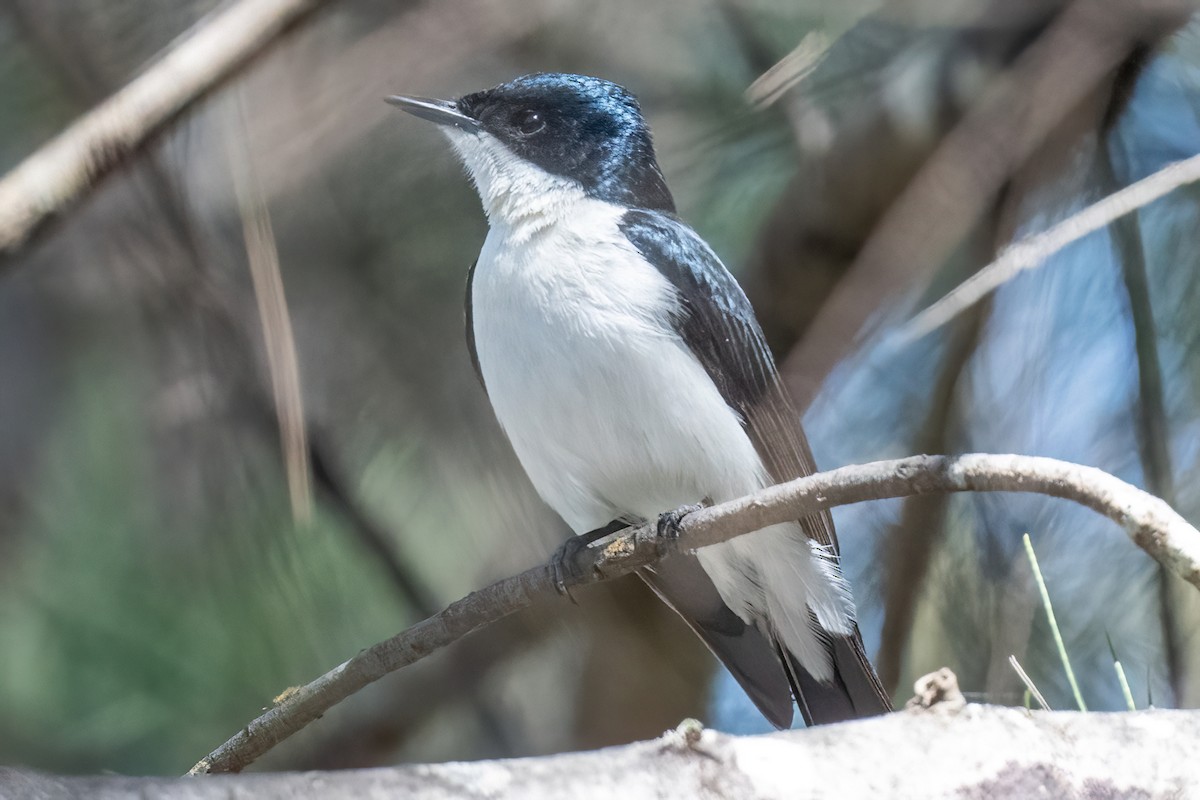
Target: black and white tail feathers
(769,675)
(718,325)
(854,692)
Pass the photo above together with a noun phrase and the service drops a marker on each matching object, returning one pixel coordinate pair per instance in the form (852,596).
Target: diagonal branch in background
(204,295)
(1149,521)
(65,170)
(1074,57)
(1031,253)
(307,447)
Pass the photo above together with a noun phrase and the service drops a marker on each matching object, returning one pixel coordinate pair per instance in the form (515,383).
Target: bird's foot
(563,561)
(669,521)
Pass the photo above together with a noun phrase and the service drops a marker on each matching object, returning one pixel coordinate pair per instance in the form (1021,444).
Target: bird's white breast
(606,407)
(607,410)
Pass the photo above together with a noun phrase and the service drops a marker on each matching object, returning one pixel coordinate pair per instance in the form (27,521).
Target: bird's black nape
(583,128)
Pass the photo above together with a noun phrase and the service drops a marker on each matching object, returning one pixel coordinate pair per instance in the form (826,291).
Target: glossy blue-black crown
(579,127)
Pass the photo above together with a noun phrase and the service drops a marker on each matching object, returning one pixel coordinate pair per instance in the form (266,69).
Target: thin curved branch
(1031,253)
(65,170)
(1150,522)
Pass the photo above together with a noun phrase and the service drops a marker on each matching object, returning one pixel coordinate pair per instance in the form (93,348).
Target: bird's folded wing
(717,323)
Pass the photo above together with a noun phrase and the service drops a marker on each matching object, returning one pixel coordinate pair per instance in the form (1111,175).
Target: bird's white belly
(612,416)
(608,412)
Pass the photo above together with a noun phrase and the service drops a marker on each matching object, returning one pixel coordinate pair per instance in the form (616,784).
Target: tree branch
(941,752)
(1032,252)
(65,170)
(1150,522)
(1076,55)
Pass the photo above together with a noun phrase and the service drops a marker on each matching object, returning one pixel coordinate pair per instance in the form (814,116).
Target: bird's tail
(853,692)
(769,672)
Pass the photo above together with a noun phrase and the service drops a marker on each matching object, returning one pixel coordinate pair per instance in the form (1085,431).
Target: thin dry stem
(280,342)
(1031,253)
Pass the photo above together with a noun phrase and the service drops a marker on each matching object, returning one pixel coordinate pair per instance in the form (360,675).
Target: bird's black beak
(443,112)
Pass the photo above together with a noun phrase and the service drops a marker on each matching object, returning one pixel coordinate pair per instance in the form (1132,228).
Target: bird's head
(536,143)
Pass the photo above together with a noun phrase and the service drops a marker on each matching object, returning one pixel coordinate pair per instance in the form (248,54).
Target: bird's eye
(528,122)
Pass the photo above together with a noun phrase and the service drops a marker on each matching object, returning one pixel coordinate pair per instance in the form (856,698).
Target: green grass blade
(1120,674)
(1058,640)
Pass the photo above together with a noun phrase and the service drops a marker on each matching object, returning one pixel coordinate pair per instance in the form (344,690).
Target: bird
(628,372)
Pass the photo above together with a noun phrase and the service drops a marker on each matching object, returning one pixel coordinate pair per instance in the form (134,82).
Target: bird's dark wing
(468,317)
(717,324)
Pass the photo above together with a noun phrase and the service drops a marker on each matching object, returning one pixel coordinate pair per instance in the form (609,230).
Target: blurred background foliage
(156,588)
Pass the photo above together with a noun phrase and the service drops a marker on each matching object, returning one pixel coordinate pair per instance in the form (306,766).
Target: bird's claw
(562,563)
(669,521)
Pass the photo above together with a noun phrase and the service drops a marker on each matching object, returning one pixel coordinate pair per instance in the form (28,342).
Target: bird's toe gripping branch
(669,521)
(563,562)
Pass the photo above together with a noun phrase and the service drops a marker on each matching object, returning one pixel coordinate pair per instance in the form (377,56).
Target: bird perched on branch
(629,373)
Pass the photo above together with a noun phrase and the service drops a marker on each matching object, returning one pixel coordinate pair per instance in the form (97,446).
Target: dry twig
(63,171)
(1032,252)
(280,343)
(1150,522)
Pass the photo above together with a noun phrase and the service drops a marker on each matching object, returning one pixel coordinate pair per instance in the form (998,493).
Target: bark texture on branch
(1150,522)
(968,752)
(65,170)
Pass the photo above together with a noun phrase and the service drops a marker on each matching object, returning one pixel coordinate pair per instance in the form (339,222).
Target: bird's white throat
(515,193)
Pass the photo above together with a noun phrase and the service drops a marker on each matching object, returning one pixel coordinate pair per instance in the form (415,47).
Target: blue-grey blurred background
(159,584)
